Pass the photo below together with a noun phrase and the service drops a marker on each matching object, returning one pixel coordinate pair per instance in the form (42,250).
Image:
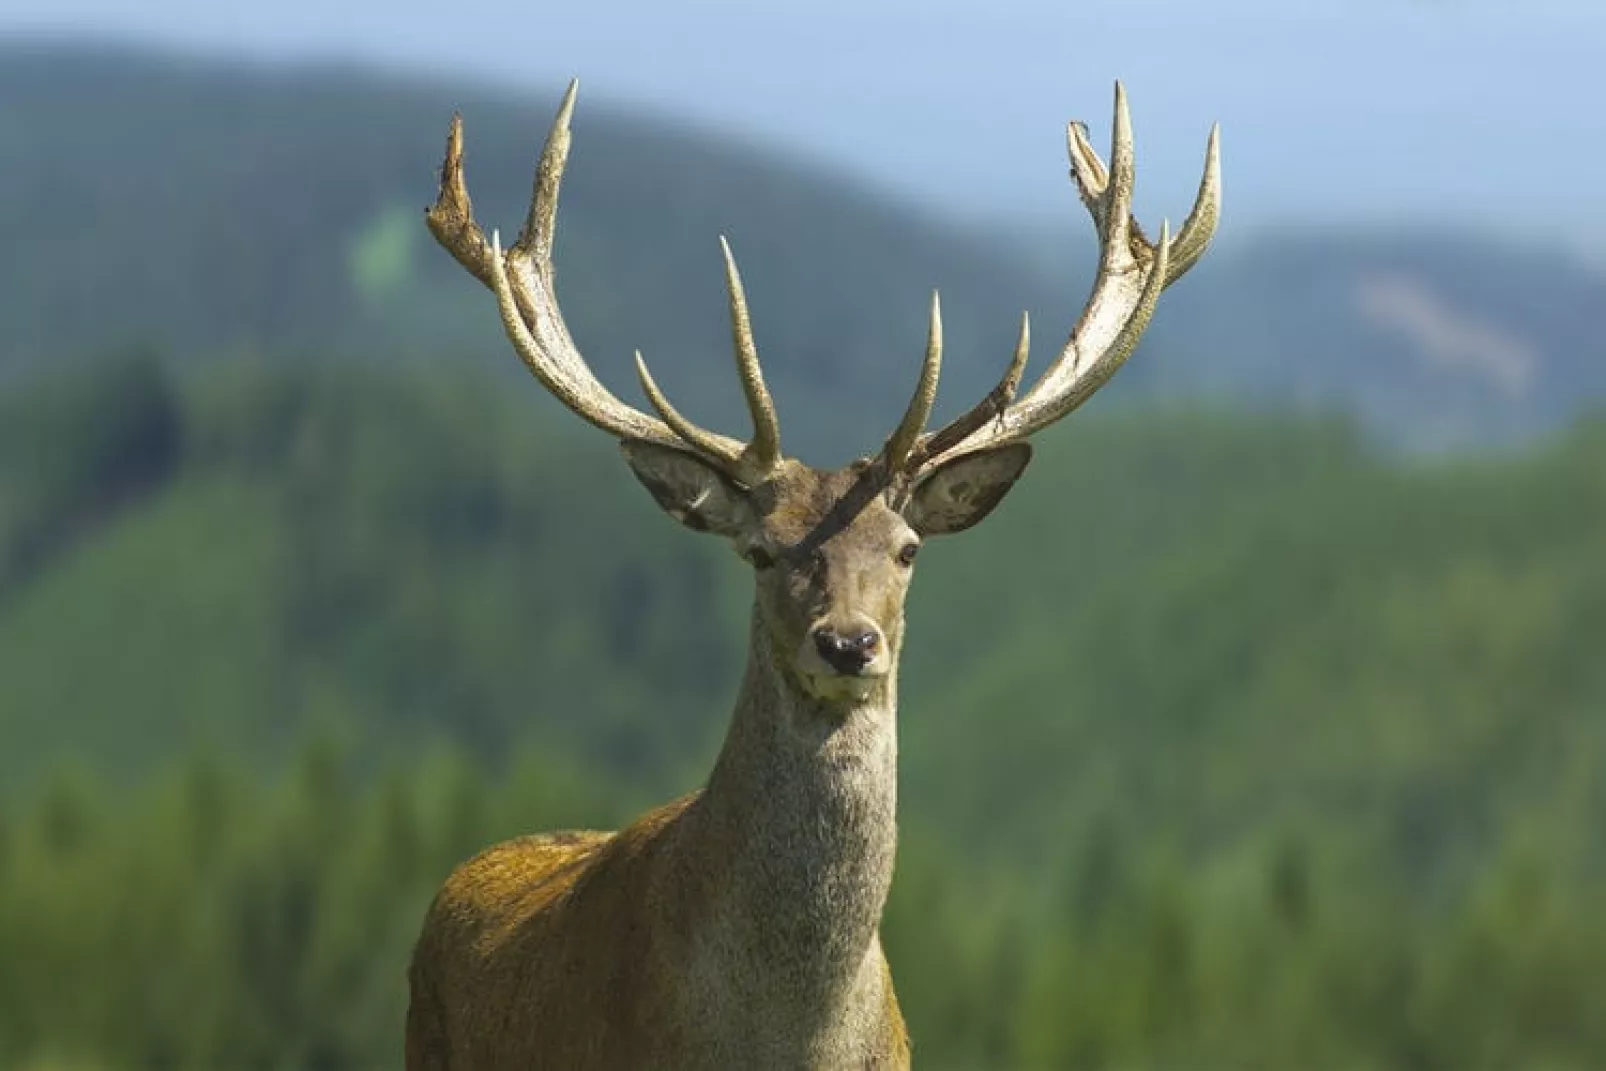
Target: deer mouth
(832,685)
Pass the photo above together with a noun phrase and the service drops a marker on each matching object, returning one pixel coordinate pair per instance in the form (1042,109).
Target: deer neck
(802,802)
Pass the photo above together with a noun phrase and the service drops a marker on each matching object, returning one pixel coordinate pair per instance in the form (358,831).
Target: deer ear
(688,488)
(959,493)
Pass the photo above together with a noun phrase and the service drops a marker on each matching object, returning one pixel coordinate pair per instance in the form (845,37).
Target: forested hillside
(1226,742)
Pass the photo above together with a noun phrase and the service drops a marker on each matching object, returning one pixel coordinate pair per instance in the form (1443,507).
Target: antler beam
(522,278)
(1132,273)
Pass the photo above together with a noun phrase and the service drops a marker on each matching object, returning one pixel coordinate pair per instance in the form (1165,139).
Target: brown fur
(736,927)
(600,993)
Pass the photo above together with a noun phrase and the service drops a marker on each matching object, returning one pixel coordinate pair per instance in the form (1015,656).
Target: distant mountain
(1432,341)
(1437,341)
(204,209)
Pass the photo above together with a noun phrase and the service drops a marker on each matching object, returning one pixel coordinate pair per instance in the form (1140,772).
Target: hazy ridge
(206,210)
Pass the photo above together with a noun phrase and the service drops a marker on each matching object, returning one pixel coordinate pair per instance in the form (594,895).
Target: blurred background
(1263,727)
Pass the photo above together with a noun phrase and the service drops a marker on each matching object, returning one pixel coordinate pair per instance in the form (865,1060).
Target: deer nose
(847,653)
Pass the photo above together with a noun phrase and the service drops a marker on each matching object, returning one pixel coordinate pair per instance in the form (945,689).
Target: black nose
(846,654)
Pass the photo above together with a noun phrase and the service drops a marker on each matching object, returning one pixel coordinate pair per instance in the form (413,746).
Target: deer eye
(907,552)
(758,557)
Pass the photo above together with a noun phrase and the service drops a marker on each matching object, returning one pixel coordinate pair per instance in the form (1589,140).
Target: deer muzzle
(850,653)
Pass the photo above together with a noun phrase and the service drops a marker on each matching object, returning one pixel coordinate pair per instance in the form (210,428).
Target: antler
(1132,273)
(522,279)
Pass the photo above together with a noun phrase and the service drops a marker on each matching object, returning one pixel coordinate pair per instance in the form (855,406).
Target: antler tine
(1121,184)
(1200,226)
(1087,169)
(765,449)
(1131,275)
(704,441)
(902,440)
(540,224)
(990,407)
(451,218)
(522,279)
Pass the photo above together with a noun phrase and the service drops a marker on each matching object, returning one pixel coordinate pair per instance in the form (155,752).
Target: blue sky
(1483,114)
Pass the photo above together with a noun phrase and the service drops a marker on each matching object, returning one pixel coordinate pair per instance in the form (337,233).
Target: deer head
(833,551)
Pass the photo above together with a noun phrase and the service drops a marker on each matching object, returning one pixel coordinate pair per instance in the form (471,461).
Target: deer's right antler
(522,279)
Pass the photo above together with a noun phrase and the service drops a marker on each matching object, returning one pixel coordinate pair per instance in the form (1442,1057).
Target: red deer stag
(738,927)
